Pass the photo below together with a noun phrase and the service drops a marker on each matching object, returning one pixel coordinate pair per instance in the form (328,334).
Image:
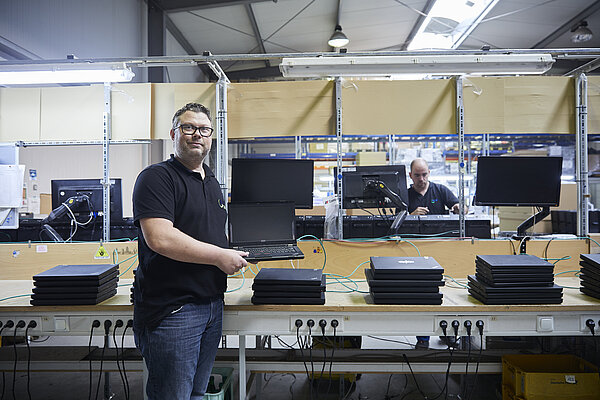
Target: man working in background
(184,262)
(428,198)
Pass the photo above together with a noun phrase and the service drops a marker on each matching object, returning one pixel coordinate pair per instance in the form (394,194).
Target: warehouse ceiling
(294,26)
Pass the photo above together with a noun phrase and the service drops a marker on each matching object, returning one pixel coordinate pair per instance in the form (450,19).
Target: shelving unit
(401,149)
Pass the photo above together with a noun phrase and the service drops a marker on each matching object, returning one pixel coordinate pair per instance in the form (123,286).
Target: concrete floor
(75,386)
(275,386)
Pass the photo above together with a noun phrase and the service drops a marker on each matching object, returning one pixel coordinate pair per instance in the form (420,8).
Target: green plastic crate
(226,392)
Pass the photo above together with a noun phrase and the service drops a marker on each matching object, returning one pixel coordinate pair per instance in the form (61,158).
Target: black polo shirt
(195,206)
(436,199)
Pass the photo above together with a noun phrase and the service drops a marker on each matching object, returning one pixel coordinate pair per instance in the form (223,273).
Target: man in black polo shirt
(184,262)
(426,197)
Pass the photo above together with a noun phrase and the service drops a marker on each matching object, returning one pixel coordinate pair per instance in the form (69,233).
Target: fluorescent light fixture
(449,22)
(460,64)
(31,74)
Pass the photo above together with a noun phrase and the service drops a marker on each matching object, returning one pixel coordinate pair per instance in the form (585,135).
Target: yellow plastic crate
(549,376)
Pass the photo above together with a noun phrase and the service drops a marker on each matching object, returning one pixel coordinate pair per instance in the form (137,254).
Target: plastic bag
(331,218)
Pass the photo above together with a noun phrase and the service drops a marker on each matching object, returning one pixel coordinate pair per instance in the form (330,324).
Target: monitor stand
(400,217)
(381,187)
(528,223)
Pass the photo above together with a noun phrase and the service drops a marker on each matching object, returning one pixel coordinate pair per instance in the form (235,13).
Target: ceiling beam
(12,51)
(178,35)
(156,39)
(566,27)
(187,46)
(417,24)
(252,17)
(259,40)
(186,5)
(585,68)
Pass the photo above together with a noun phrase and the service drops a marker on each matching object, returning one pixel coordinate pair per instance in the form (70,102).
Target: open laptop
(265,230)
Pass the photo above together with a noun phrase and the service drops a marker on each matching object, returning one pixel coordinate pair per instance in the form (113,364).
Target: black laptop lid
(294,276)
(509,260)
(395,265)
(253,224)
(93,272)
(592,259)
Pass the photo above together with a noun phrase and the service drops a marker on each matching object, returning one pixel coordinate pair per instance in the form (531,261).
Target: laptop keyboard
(269,250)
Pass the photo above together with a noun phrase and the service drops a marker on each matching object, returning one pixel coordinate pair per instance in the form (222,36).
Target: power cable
(95,324)
(127,326)
(107,325)
(32,324)
(9,324)
(298,325)
(20,324)
(118,324)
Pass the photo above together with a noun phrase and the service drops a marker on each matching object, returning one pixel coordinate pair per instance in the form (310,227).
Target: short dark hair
(194,107)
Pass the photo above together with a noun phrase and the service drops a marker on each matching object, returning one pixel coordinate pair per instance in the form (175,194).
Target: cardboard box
(316,210)
(511,217)
(317,147)
(371,158)
(45,203)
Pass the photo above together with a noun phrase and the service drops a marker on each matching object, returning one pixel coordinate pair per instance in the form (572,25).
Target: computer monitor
(518,181)
(268,180)
(63,189)
(358,193)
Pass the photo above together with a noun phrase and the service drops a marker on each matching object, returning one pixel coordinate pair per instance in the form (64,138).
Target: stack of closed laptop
(289,286)
(405,280)
(514,279)
(75,284)
(590,274)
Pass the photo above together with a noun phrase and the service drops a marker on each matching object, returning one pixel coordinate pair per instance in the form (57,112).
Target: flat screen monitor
(357,194)
(268,180)
(62,189)
(518,181)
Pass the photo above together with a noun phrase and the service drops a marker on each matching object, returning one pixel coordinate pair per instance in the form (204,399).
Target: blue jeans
(180,352)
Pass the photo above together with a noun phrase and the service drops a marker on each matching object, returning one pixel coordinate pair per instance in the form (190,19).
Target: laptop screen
(261,223)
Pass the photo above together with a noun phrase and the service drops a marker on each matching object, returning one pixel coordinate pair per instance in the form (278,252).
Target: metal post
(222,149)
(338,136)
(581,158)
(485,144)
(460,130)
(298,146)
(107,130)
(392,149)
(242,366)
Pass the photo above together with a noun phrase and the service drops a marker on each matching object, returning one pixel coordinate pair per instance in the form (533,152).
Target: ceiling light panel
(449,22)
(31,74)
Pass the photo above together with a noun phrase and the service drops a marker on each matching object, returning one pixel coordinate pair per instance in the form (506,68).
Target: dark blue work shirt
(436,199)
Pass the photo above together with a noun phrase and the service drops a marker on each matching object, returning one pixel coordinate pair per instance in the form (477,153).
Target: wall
(70,162)
(86,28)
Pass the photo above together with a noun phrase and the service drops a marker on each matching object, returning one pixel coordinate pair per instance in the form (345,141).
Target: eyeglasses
(188,129)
